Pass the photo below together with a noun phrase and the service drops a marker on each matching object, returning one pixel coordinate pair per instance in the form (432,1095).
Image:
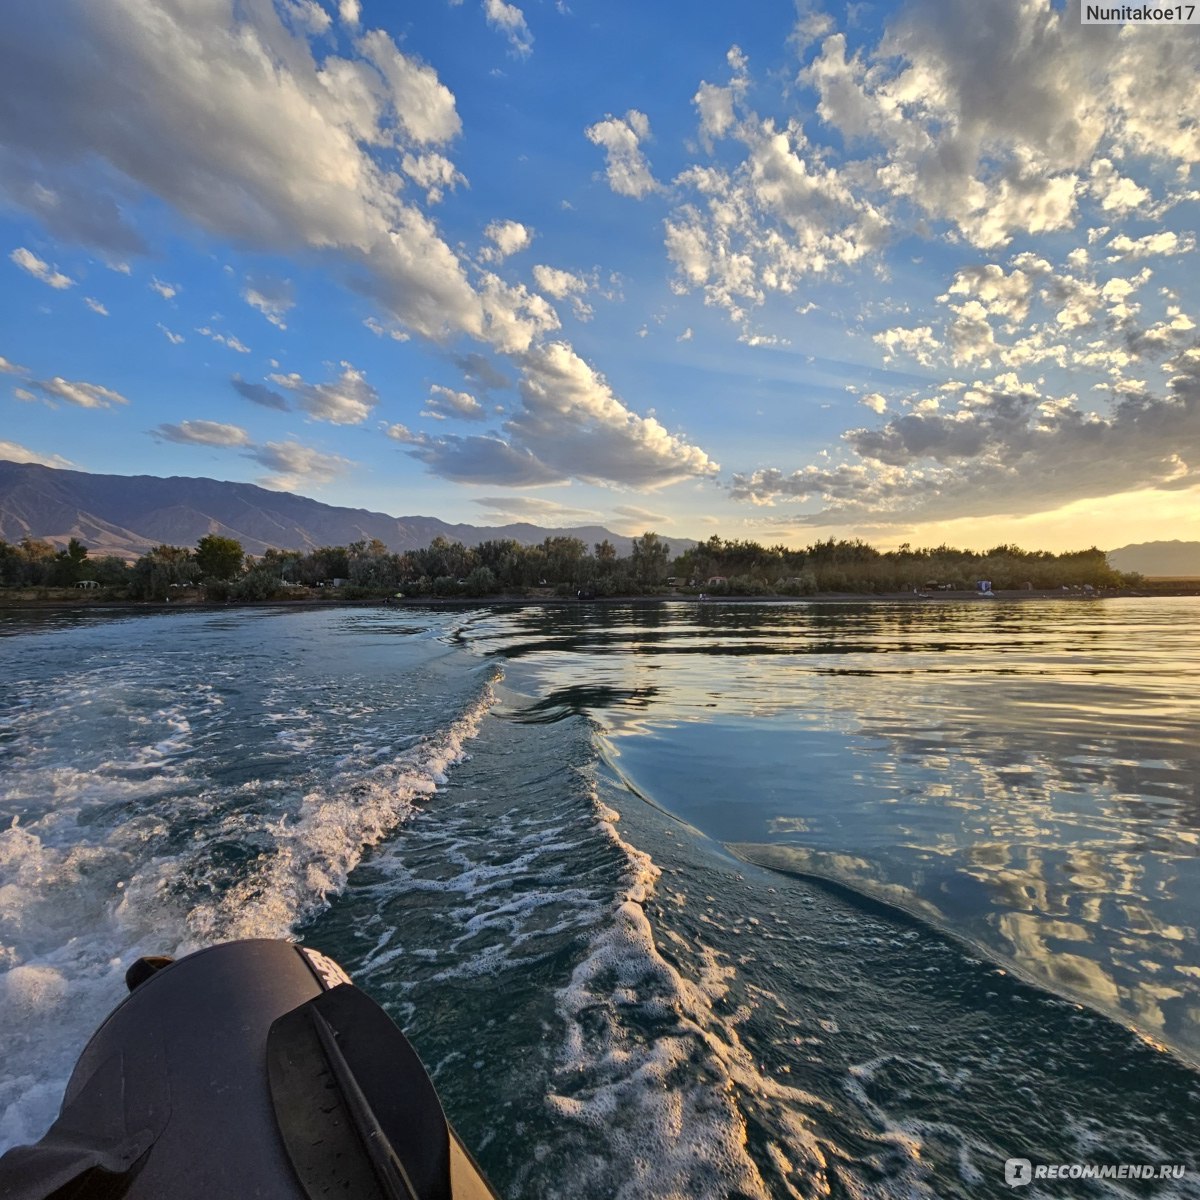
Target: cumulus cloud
(782,214)
(15,452)
(174,338)
(444,402)
(507,237)
(272,297)
(203,433)
(1166,242)
(626,167)
(570,425)
(997,117)
(168,291)
(1003,448)
(571,419)
(297,154)
(433,172)
(347,400)
(295,467)
(513,315)
(96,306)
(918,343)
(31,264)
(11,368)
(510,21)
(82,395)
(1002,295)
(563,285)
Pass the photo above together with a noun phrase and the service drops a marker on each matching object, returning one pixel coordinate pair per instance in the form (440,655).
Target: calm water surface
(674,900)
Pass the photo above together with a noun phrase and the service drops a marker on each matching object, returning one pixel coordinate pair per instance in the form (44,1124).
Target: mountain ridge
(127,515)
(1173,559)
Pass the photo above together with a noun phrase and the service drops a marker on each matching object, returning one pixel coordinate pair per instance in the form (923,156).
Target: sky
(912,272)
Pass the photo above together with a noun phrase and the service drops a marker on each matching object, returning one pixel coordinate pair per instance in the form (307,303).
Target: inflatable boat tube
(250,1069)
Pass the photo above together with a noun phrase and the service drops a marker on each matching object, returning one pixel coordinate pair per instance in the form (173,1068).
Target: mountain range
(126,515)
(1170,559)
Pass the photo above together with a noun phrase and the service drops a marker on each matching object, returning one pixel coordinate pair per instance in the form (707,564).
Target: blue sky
(912,272)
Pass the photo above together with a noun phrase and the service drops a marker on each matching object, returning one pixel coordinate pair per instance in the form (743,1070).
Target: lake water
(695,900)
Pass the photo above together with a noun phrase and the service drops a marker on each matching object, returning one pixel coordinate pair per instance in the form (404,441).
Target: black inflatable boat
(251,1069)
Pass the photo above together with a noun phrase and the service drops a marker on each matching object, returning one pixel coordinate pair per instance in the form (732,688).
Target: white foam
(315,851)
(670,1108)
(74,913)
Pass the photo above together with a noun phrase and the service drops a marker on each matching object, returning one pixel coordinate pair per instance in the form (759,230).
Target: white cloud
(444,402)
(422,104)
(168,291)
(874,401)
(274,298)
(289,161)
(572,421)
(350,12)
(563,285)
(51,276)
(513,315)
(347,400)
(11,368)
(380,330)
(1116,192)
(228,340)
(295,467)
(782,214)
(1004,449)
(14,452)
(434,172)
(507,237)
(203,433)
(626,166)
(170,335)
(95,306)
(918,343)
(1165,242)
(83,395)
(986,114)
(509,20)
(570,425)
(1002,295)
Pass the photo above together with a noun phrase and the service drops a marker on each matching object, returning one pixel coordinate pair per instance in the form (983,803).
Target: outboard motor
(250,1069)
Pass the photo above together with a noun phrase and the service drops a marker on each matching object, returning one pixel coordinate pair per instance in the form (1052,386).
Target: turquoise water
(674,900)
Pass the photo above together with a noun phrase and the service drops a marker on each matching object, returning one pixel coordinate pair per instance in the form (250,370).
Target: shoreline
(83,603)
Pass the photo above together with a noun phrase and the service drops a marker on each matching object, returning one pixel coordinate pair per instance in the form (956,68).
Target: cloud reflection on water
(1027,774)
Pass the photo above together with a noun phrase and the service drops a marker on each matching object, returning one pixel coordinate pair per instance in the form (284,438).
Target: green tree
(68,564)
(650,558)
(219,557)
(160,570)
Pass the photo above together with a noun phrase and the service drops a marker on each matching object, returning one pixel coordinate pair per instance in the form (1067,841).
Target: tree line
(566,565)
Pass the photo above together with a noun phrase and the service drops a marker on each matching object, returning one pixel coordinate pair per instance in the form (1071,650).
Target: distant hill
(1158,558)
(128,514)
